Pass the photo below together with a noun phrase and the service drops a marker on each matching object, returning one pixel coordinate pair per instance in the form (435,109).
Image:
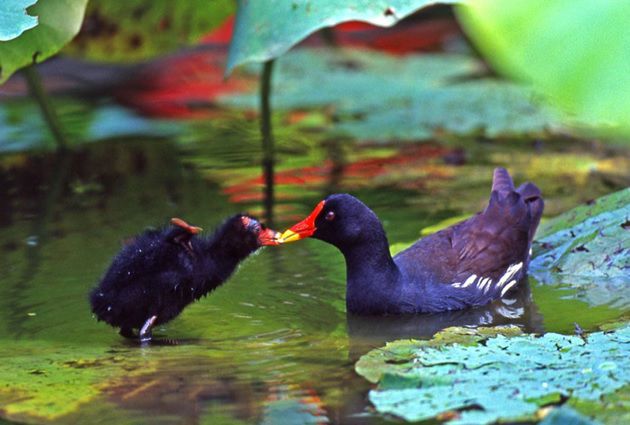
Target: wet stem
(47,109)
(267,138)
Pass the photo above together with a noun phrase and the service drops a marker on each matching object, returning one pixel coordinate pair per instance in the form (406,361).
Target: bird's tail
(502,182)
(531,194)
(503,193)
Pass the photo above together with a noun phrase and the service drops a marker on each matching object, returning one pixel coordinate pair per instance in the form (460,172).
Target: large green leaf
(588,248)
(267,29)
(378,97)
(498,378)
(140,29)
(13,18)
(575,52)
(59,21)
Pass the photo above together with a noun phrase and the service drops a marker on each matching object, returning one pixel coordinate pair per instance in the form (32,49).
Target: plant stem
(46,107)
(267,139)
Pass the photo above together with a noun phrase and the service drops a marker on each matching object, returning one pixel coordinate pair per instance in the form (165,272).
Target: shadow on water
(518,309)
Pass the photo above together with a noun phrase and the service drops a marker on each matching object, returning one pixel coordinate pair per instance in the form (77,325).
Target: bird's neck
(221,254)
(373,278)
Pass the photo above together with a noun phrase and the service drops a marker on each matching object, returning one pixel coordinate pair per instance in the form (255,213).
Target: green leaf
(14,20)
(141,29)
(59,21)
(501,379)
(377,97)
(398,356)
(263,31)
(574,52)
(588,248)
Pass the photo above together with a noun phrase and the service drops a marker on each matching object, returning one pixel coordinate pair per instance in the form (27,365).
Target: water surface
(274,345)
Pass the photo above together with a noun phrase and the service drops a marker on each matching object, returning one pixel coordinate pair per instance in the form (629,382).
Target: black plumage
(468,264)
(155,277)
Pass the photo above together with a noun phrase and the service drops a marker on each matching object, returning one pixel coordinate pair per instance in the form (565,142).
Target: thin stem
(267,139)
(46,107)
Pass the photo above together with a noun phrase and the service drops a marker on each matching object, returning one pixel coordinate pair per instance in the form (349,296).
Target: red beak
(268,237)
(304,228)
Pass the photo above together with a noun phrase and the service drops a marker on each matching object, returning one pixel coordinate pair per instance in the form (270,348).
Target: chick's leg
(145,331)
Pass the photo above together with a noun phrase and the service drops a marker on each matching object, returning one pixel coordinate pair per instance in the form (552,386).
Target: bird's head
(340,219)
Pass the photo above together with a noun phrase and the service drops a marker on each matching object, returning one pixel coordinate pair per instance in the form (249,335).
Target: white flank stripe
(487,286)
(469,281)
(483,282)
(508,286)
(509,273)
(456,284)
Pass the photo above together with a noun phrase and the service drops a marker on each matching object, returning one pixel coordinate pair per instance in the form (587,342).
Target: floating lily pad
(396,355)
(377,97)
(14,19)
(588,248)
(50,382)
(501,379)
(59,21)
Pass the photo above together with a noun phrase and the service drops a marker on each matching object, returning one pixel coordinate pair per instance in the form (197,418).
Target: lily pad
(14,19)
(588,248)
(51,382)
(396,355)
(262,32)
(574,52)
(378,97)
(59,22)
(498,378)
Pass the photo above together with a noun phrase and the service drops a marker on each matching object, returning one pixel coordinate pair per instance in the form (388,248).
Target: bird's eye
(330,216)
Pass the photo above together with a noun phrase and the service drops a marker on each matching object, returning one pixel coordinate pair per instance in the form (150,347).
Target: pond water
(274,345)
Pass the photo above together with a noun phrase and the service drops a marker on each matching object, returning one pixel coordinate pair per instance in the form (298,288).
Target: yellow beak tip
(289,236)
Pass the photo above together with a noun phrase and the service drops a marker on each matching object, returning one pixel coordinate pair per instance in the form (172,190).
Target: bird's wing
(488,243)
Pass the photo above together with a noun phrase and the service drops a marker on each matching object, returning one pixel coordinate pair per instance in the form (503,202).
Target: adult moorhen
(468,264)
(151,280)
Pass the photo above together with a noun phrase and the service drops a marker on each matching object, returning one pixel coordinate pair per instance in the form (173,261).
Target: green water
(273,345)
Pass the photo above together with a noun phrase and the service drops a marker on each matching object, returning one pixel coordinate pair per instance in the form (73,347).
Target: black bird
(468,264)
(151,280)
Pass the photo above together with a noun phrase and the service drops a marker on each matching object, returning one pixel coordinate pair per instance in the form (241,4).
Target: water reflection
(518,309)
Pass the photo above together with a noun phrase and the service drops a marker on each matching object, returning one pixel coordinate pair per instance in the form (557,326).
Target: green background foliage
(573,52)
(140,29)
(378,97)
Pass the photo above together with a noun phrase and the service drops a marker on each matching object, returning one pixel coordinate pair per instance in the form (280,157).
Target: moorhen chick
(468,264)
(151,280)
